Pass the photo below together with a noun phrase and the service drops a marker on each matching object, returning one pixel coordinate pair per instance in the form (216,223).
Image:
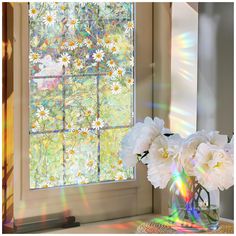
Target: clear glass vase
(190,205)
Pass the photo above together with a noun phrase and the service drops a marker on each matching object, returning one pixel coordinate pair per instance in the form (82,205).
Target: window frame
(139,189)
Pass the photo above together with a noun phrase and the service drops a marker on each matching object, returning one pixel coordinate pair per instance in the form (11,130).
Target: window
(81,60)
(67,86)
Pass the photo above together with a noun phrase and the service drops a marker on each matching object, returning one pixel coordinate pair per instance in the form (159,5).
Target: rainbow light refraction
(184,216)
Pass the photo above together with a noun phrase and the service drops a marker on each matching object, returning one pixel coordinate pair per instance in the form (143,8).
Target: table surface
(122,225)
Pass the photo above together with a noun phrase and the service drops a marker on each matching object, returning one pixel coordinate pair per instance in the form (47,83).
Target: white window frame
(90,202)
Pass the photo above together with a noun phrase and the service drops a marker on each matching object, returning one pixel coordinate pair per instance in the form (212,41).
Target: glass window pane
(110,164)
(81,91)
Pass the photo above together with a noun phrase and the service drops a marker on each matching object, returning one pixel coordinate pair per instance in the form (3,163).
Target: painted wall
(215,77)
(184,41)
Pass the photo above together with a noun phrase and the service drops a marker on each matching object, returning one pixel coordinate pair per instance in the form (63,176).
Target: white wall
(183,110)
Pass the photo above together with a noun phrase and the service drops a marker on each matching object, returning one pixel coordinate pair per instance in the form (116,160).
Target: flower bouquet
(192,167)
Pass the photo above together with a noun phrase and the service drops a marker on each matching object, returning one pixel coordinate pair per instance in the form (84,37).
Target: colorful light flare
(184,217)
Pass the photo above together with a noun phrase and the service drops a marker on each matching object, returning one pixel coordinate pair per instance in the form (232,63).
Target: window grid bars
(98,74)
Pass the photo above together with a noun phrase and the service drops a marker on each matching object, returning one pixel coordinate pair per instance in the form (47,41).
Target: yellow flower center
(42,113)
(107,41)
(71,43)
(84,133)
(110,73)
(130,25)
(33,125)
(63,8)
(120,177)
(165,154)
(111,62)
(120,162)
(64,59)
(35,56)
(116,87)
(79,173)
(119,72)
(33,11)
(88,113)
(113,49)
(52,178)
(130,81)
(99,55)
(72,152)
(98,123)
(90,163)
(218,165)
(49,18)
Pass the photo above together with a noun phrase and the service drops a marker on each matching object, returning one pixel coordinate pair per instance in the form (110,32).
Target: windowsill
(123,225)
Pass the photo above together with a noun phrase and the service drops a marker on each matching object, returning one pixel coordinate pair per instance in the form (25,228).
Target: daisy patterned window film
(81,103)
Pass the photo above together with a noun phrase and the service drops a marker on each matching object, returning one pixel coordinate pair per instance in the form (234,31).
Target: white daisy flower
(113,49)
(65,59)
(119,176)
(49,19)
(42,113)
(111,64)
(98,123)
(129,26)
(90,164)
(69,125)
(116,88)
(89,112)
(71,45)
(79,64)
(35,126)
(34,57)
(88,42)
(120,72)
(98,55)
(72,23)
(33,12)
(71,152)
(130,81)
(107,42)
(84,131)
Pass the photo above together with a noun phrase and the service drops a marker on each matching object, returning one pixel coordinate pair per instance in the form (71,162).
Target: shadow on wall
(215,77)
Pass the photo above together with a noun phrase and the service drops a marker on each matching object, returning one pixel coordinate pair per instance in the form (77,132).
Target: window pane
(81,91)
(111,165)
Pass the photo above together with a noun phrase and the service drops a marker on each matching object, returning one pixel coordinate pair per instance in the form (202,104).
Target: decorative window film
(81,62)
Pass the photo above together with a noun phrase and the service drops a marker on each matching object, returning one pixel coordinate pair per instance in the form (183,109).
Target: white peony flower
(213,167)
(127,154)
(159,174)
(165,149)
(189,148)
(217,139)
(151,129)
(191,144)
